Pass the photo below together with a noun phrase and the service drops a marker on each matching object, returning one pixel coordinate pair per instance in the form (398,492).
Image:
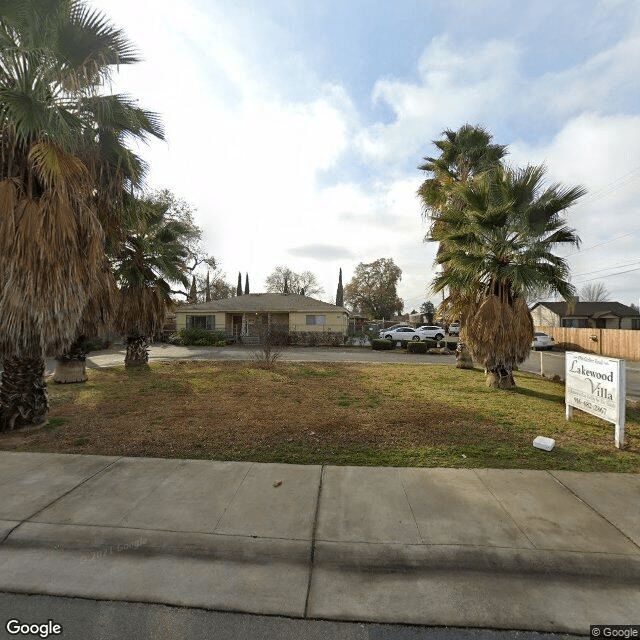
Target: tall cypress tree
(207,291)
(286,286)
(246,285)
(239,289)
(340,292)
(193,295)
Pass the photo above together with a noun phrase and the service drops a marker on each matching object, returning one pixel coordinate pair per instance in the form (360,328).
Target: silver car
(542,341)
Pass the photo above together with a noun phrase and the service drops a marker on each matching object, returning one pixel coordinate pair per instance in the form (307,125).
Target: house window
(576,323)
(315,319)
(635,323)
(208,323)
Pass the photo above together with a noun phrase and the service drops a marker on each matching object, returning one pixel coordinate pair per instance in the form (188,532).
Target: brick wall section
(613,343)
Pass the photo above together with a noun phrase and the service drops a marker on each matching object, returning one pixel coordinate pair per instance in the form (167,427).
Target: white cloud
(250,127)
(601,153)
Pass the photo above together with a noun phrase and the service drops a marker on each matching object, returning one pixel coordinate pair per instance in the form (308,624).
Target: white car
(454,329)
(431,331)
(401,333)
(542,341)
(393,327)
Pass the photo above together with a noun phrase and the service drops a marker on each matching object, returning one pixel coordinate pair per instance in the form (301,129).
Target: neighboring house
(581,315)
(250,314)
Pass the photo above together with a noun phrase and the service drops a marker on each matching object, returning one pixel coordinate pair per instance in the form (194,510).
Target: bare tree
(284,280)
(595,292)
(539,294)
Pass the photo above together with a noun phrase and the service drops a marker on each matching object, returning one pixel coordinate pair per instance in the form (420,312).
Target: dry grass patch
(411,415)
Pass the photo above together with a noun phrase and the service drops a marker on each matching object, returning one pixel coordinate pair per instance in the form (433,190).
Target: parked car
(431,331)
(542,341)
(393,327)
(454,329)
(401,333)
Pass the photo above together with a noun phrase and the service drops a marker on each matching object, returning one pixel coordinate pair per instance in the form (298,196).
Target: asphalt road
(84,619)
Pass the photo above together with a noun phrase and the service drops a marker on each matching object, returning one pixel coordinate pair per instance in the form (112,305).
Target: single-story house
(583,315)
(248,315)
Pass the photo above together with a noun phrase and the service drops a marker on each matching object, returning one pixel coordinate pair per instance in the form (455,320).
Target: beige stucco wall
(333,322)
(542,316)
(181,318)
(626,323)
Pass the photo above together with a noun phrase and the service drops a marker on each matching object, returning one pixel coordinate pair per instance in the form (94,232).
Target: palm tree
(153,256)
(497,246)
(464,154)
(55,56)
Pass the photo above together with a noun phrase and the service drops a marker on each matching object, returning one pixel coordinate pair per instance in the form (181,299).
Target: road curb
(96,542)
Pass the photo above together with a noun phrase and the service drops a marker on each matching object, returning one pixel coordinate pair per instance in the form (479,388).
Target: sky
(294,128)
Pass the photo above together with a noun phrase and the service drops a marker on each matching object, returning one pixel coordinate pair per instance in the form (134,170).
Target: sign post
(596,385)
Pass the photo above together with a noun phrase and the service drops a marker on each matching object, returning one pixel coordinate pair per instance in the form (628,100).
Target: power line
(610,187)
(624,235)
(608,275)
(614,266)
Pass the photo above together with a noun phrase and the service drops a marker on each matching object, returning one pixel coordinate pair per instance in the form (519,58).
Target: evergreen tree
(239,289)
(340,292)
(193,295)
(246,284)
(286,285)
(207,290)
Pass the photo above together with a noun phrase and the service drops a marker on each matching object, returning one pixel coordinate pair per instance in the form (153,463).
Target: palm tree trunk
(137,351)
(71,365)
(463,358)
(500,377)
(23,394)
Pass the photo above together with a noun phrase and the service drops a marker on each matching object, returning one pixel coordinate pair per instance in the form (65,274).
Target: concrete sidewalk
(505,549)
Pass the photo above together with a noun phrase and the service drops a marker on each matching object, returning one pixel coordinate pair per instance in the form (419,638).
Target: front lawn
(398,415)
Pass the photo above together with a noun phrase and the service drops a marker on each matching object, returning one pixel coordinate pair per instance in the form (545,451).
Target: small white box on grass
(544,443)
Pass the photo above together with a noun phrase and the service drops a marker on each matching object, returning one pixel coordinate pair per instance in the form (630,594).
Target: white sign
(596,385)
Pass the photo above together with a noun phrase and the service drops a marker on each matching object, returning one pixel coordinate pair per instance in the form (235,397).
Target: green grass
(375,415)
(54,423)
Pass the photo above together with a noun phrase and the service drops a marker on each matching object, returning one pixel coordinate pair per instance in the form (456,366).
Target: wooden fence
(613,343)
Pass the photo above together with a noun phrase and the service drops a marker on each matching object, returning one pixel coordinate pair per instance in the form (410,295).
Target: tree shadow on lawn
(539,395)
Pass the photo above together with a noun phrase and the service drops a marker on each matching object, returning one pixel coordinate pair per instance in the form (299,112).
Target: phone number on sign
(579,402)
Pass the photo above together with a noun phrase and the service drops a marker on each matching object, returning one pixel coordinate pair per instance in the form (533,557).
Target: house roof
(589,309)
(264,303)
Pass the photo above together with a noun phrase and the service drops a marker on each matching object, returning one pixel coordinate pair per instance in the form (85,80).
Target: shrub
(451,345)
(97,344)
(380,344)
(315,338)
(373,335)
(417,347)
(200,338)
(431,344)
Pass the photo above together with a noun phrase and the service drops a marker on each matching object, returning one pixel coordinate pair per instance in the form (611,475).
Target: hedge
(417,347)
(380,344)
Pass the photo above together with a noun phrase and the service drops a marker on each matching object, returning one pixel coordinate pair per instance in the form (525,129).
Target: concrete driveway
(165,352)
